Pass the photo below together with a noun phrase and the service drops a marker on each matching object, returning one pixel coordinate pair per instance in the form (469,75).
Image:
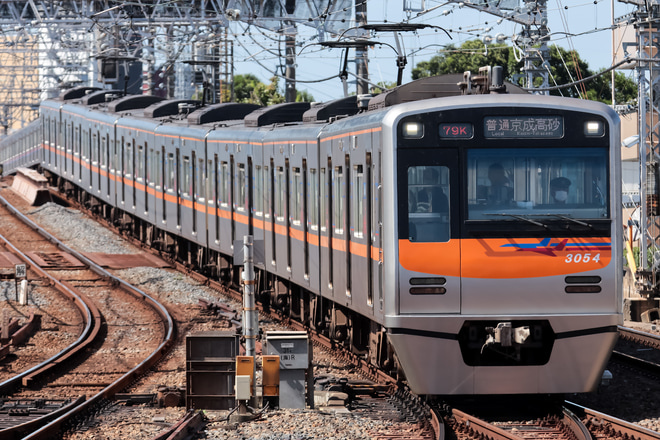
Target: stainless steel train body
(386,229)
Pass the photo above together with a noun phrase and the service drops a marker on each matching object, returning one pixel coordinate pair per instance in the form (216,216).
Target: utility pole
(361,55)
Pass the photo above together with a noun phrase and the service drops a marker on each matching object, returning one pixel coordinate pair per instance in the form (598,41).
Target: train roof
(194,113)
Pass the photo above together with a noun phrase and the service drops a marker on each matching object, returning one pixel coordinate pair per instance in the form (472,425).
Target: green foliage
(470,56)
(382,86)
(248,89)
(563,65)
(304,96)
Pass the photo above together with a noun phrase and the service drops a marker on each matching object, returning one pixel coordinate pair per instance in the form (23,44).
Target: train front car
(505,273)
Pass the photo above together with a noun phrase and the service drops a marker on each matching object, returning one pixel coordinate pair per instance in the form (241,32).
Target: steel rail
(52,428)
(640,336)
(625,429)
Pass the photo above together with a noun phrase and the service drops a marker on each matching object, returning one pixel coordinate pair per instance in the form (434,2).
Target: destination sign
(523,127)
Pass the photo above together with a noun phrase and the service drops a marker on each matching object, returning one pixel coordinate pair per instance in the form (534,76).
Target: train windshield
(521,184)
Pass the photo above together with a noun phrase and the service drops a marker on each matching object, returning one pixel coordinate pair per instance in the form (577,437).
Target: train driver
(559,189)
(500,191)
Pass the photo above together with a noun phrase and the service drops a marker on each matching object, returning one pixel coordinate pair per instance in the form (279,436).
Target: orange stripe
(296,234)
(339,244)
(483,258)
(432,258)
(312,239)
(353,133)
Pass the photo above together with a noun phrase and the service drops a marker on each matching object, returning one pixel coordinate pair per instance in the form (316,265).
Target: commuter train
(455,230)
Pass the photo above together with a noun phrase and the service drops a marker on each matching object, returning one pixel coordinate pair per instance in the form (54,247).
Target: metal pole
(361,55)
(250,317)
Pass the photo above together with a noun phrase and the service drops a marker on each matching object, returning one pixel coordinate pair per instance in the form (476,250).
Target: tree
(304,96)
(565,67)
(470,56)
(248,89)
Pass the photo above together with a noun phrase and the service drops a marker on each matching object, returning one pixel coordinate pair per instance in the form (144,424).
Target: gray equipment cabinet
(292,348)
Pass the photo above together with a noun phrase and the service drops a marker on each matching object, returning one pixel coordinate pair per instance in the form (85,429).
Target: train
(456,231)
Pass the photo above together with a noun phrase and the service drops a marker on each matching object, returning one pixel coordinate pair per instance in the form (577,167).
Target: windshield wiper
(520,217)
(565,217)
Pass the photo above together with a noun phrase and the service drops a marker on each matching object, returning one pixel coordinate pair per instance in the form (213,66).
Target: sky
(574,24)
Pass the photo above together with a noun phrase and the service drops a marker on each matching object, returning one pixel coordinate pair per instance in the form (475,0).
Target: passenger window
(428,204)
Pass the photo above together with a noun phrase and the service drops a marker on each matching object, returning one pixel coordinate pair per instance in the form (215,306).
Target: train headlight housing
(594,128)
(413,130)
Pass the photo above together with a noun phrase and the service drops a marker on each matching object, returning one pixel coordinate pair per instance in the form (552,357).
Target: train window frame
(357,200)
(104,151)
(240,187)
(313,197)
(338,200)
(209,182)
(76,142)
(296,201)
(128,160)
(268,204)
(280,194)
(200,186)
(586,169)
(151,168)
(258,191)
(186,181)
(323,200)
(224,184)
(428,220)
(170,178)
(139,169)
(95,146)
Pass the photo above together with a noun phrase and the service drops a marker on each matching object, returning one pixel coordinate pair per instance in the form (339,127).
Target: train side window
(268,186)
(357,199)
(323,199)
(139,170)
(280,195)
(95,153)
(151,171)
(240,188)
(258,191)
(210,183)
(128,169)
(224,184)
(201,182)
(185,176)
(170,173)
(338,199)
(428,203)
(76,142)
(104,151)
(296,197)
(313,200)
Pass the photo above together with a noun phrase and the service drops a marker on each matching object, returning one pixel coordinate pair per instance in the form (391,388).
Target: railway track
(123,333)
(554,428)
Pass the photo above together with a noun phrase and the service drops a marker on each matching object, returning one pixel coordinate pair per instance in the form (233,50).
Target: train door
(339,236)
(313,217)
(115,172)
(325,200)
(429,248)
